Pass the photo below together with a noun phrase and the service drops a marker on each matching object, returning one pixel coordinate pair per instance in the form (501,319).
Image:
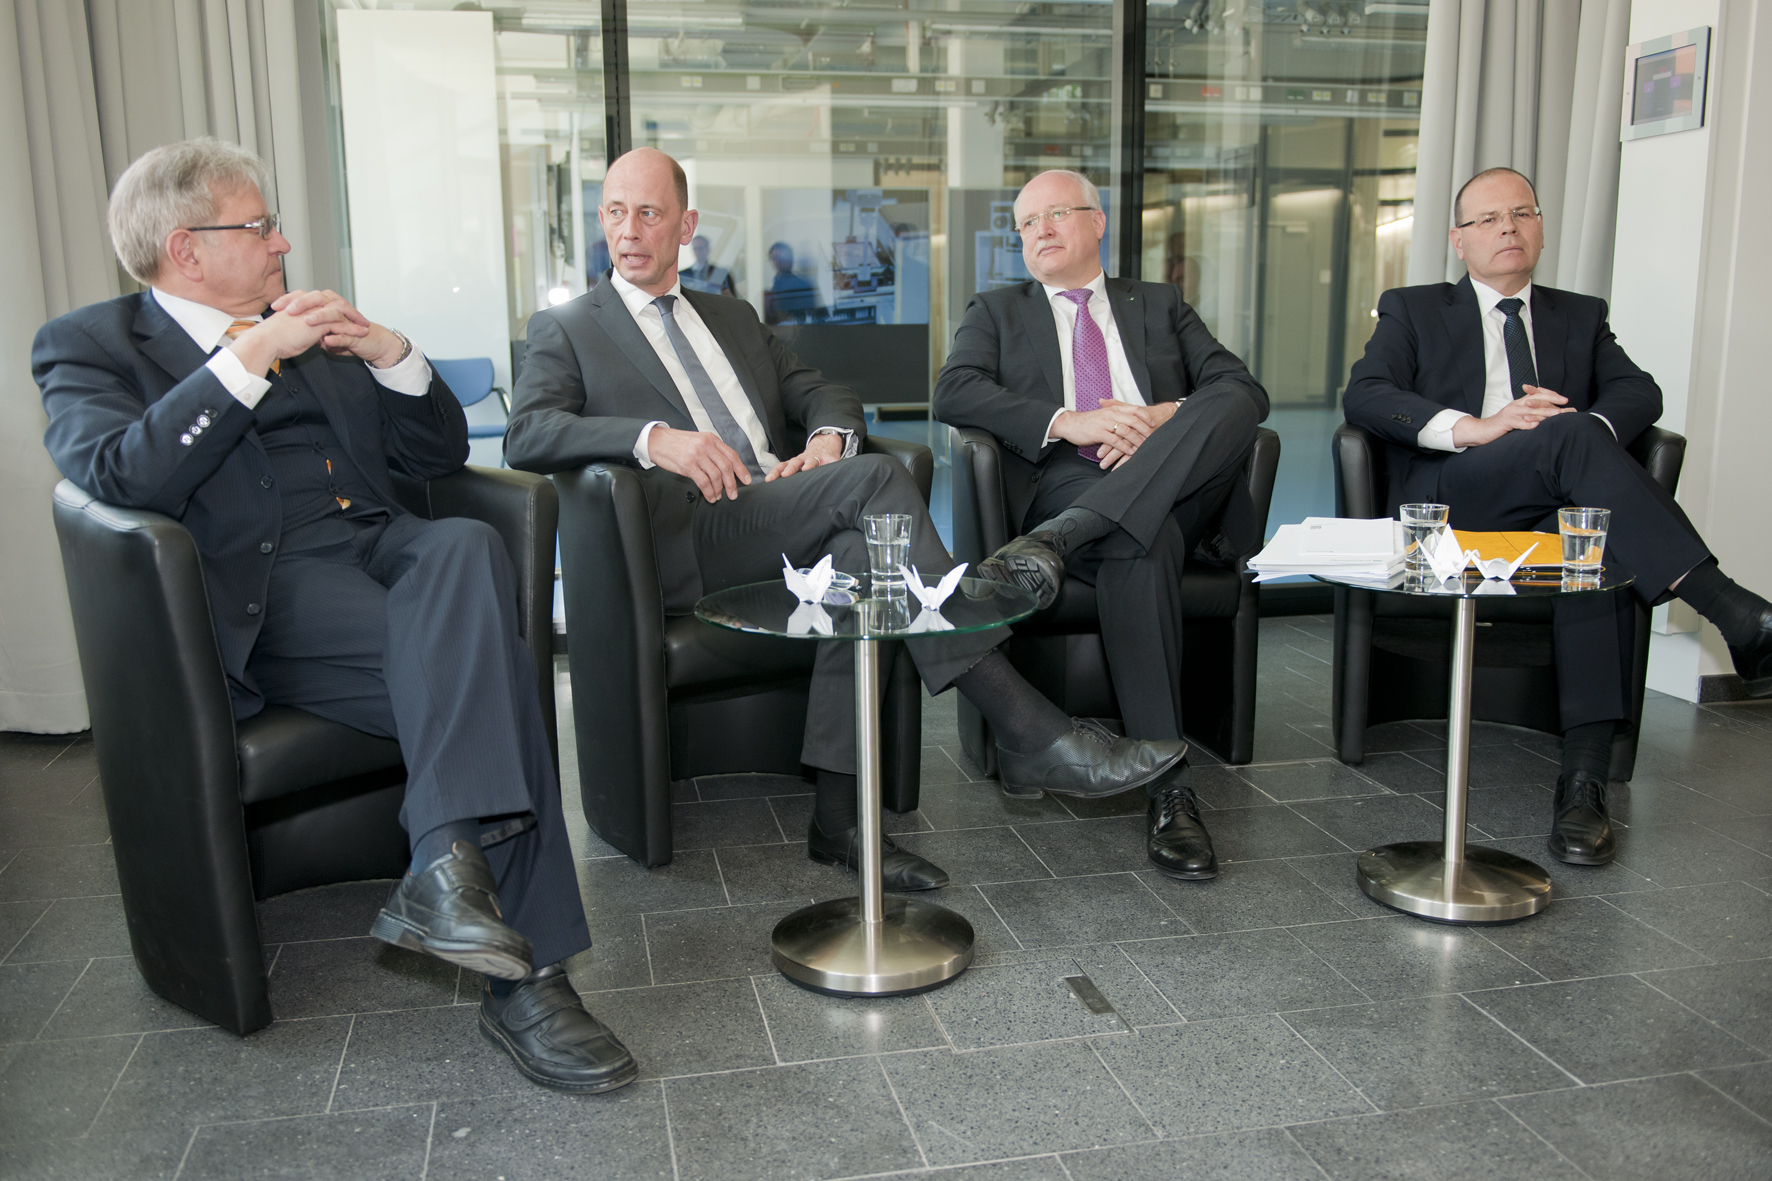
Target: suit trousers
(1519,481)
(804,517)
(407,629)
(1164,499)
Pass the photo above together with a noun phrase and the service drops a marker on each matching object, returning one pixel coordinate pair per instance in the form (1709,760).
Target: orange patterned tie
(239,326)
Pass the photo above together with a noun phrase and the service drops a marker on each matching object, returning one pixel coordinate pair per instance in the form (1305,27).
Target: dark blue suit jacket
(137,419)
(1426,355)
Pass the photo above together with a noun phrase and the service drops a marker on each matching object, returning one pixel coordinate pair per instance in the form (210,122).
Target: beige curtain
(1535,85)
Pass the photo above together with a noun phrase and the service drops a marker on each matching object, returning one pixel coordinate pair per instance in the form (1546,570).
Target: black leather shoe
(1090,761)
(449,909)
(899,870)
(545,1029)
(1581,833)
(1753,662)
(1179,845)
(1031,562)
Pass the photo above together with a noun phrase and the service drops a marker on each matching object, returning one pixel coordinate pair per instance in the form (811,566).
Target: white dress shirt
(208,329)
(1064,316)
(1498,385)
(719,370)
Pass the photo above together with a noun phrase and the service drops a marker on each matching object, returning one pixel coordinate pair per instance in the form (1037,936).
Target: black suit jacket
(591,380)
(1005,374)
(1426,355)
(136,418)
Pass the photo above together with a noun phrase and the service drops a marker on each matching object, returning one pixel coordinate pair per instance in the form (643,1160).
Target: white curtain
(1534,85)
(86,86)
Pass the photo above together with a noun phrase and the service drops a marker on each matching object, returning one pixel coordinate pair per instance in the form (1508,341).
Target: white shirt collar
(206,326)
(1488,297)
(637,299)
(1097,285)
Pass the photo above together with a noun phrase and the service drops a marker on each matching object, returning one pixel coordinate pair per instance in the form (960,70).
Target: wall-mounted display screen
(1664,84)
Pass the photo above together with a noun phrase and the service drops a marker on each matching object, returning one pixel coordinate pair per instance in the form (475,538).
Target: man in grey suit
(1126,426)
(747,455)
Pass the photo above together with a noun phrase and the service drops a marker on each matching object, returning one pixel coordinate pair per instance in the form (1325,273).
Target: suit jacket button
(252,608)
(185,439)
(203,420)
(266,482)
(265,547)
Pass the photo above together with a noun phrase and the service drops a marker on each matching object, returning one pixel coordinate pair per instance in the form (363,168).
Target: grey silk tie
(718,412)
(1520,370)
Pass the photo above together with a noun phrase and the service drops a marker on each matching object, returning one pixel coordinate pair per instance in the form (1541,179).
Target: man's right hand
(299,321)
(1521,414)
(702,456)
(1120,425)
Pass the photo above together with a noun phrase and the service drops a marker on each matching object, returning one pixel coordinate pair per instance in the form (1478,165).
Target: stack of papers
(1368,550)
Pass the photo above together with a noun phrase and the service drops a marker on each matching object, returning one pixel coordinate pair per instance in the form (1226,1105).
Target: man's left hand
(355,336)
(1156,415)
(820,450)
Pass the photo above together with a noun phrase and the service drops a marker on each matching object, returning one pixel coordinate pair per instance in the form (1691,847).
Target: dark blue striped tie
(1520,370)
(725,425)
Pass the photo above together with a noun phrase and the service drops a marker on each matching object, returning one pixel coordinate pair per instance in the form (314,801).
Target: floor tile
(688,1028)
(1612,1027)
(618,885)
(1008,1004)
(1318,780)
(937,767)
(780,873)
(1114,844)
(52,1090)
(33,992)
(1587,937)
(1728,921)
(1737,996)
(1013,1101)
(750,787)
(1248,972)
(1228,1156)
(1226,1075)
(1425,1051)
(1336,874)
(74,928)
(1753,831)
(68,871)
(1572,881)
(794,813)
(1650,798)
(1375,820)
(1685,854)
(616,958)
(111,997)
(1258,834)
(332,976)
(982,805)
(363,1145)
(1063,911)
(689,945)
(1464,1142)
(1222,787)
(1247,895)
(1750,1086)
(989,934)
(1660,1129)
(1521,810)
(38,826)
(1418,771)
(138,1154)
(723,822)
(977,854)
(805,1026)
(339,911)
(1406,956)
(419,1055)
(539,1135)
(820,1119)
(1509,765)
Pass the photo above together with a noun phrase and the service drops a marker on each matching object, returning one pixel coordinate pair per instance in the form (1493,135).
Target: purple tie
(1089,363)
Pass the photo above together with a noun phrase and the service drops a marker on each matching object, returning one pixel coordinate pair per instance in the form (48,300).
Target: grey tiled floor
(1271,1024)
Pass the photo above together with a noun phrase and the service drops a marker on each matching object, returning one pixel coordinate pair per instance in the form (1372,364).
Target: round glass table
(1449,880)
(871,945)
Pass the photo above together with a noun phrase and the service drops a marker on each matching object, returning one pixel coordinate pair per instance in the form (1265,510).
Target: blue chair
(470,380)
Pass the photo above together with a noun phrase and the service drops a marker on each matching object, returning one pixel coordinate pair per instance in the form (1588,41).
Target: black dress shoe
(1031,562)
(1581,833)
(1090,761)
(899,870)
(545,1029)
(1753,661)
(449,909)
(1179,845)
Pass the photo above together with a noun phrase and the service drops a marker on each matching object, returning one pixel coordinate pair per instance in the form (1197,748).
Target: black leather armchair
(1059,650)
(657,698)
(207,815)
(1392,662)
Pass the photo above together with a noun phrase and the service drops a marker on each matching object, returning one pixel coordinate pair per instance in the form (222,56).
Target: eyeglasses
(616,214)
(1489,222)
(264,227)
(1031,222)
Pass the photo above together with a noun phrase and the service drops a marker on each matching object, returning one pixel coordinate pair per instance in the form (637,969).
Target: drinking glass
(1423,526)
(1584,536)
(889,547)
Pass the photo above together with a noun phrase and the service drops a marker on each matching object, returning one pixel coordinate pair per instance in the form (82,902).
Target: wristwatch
(405,349)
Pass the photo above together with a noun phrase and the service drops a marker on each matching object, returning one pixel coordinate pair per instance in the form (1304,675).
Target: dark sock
(501,988)
(1074,528)
(1024,721)
(439,840)
(1176,778)
(1588,747)
(1732,607)
(834,805)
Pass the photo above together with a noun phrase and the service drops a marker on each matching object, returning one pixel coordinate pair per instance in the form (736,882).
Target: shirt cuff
(1052,438)
(1437,434)
(642,452)
(228,370)
(849,444)
(1608,423)
(411,377)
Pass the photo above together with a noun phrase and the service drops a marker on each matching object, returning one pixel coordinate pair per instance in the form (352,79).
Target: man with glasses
(1127,427)
(1506,401)
(268,422)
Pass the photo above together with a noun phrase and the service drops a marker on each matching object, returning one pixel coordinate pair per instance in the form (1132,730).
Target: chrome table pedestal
(871,945)
(1446,879)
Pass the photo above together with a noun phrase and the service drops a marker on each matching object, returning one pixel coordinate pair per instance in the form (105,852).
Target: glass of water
(889,547)
(1584,536)
(1423,526)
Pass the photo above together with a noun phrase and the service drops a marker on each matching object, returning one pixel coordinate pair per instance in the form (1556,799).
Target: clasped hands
(299,320)
(717,469)
(1117,429)
(1522,414)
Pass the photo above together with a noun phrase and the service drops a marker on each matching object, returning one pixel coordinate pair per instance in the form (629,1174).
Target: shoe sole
(491,1033)
(1021,793)
(1199,875)
(1101,795)
(827,859)
(1030,576)
(1574,859)
(476,957)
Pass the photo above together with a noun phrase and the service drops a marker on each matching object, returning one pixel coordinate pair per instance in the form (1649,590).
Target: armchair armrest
(981,518)
(1356,473)
(1662,454)
(917,459)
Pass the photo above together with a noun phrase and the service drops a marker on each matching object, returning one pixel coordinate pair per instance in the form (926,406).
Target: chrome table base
(871,945)
(1446,879)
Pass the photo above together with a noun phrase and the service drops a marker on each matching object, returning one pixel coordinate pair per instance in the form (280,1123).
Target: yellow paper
(1512,545)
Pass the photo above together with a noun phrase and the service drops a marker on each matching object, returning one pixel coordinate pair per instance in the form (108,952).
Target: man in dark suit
(1126,425)
(268,423)
(1507,401)
(748,455)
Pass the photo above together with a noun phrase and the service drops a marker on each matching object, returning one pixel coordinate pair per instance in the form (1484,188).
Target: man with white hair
(268,422)
(1126,426)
